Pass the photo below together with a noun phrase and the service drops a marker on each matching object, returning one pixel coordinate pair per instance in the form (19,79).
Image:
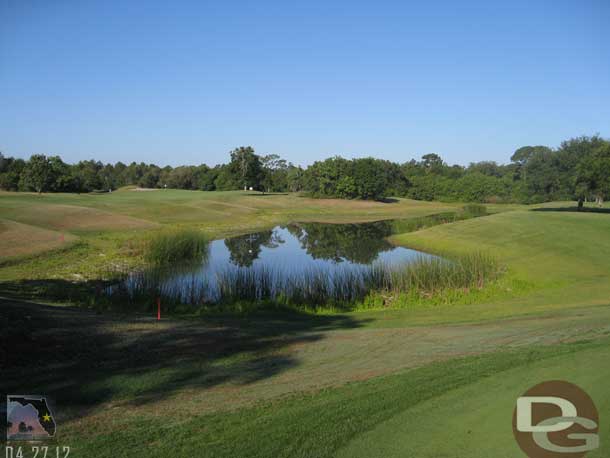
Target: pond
(311,262)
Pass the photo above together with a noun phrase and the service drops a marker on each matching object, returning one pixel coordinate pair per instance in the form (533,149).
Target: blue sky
(184,82)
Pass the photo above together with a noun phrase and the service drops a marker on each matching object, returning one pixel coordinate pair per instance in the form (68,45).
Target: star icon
(46,417)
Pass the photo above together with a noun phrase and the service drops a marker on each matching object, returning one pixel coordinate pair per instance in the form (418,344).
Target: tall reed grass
(317,287)
(176,245)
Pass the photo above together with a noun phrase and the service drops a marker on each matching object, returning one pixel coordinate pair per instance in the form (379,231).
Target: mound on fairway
(71,217)
(18,239)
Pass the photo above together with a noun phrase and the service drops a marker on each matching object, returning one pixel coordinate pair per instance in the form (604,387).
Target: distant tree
(90,175)
(246,167)
(182,178)
(322,178)
(11,174)
(522,156)
(432,163)
(274,173)
(294,178)
(226,180)
(204,178)
(489,168)
(36,174)
(151,178)
(370,178)
(593,175)
(23,427)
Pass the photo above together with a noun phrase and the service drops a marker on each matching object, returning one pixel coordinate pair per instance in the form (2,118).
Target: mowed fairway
(475,420)
(421,381)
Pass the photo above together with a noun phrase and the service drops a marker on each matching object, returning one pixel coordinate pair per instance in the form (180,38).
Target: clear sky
(184,82)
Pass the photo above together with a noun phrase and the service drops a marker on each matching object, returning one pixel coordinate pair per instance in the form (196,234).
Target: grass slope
(555,260)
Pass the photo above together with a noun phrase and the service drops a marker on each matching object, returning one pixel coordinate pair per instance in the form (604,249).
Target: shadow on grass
(82,359)
(573,209)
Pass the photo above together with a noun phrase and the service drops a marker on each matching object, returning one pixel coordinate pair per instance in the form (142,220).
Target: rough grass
(176,246)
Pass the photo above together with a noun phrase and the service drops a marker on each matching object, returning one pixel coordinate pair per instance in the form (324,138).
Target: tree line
(579,169)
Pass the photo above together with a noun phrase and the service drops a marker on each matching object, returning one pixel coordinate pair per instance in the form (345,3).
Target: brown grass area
(71,217)
(18,239)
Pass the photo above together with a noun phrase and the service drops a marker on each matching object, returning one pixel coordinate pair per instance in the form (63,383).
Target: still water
(286,255)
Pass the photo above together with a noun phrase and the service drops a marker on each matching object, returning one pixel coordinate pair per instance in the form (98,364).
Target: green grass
(466,402)
(175,246)
(369,383)
(554,260)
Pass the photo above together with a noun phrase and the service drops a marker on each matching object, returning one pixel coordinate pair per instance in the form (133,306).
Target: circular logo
(556,418)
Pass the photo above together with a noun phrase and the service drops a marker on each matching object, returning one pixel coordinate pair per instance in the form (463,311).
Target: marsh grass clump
(428,276)
(318,288)
(176,245)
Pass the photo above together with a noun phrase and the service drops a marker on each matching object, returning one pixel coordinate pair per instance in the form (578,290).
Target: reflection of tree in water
(244,249)
(359,243)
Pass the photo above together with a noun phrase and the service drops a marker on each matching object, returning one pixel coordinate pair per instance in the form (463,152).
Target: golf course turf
(424,379)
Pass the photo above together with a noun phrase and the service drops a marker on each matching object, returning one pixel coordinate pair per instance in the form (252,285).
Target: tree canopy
(578,169)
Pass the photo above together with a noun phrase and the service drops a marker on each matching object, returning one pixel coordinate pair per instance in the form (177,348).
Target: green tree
(522,156)
(370,178)
(274,173)
(432,163)
(36,174)
(246,167)
(593,175)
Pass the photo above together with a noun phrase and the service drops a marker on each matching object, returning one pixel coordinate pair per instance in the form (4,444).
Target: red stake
(158,308)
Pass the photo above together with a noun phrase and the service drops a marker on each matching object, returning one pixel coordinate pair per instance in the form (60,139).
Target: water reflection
(296,258)
(357,243)
(245,249)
